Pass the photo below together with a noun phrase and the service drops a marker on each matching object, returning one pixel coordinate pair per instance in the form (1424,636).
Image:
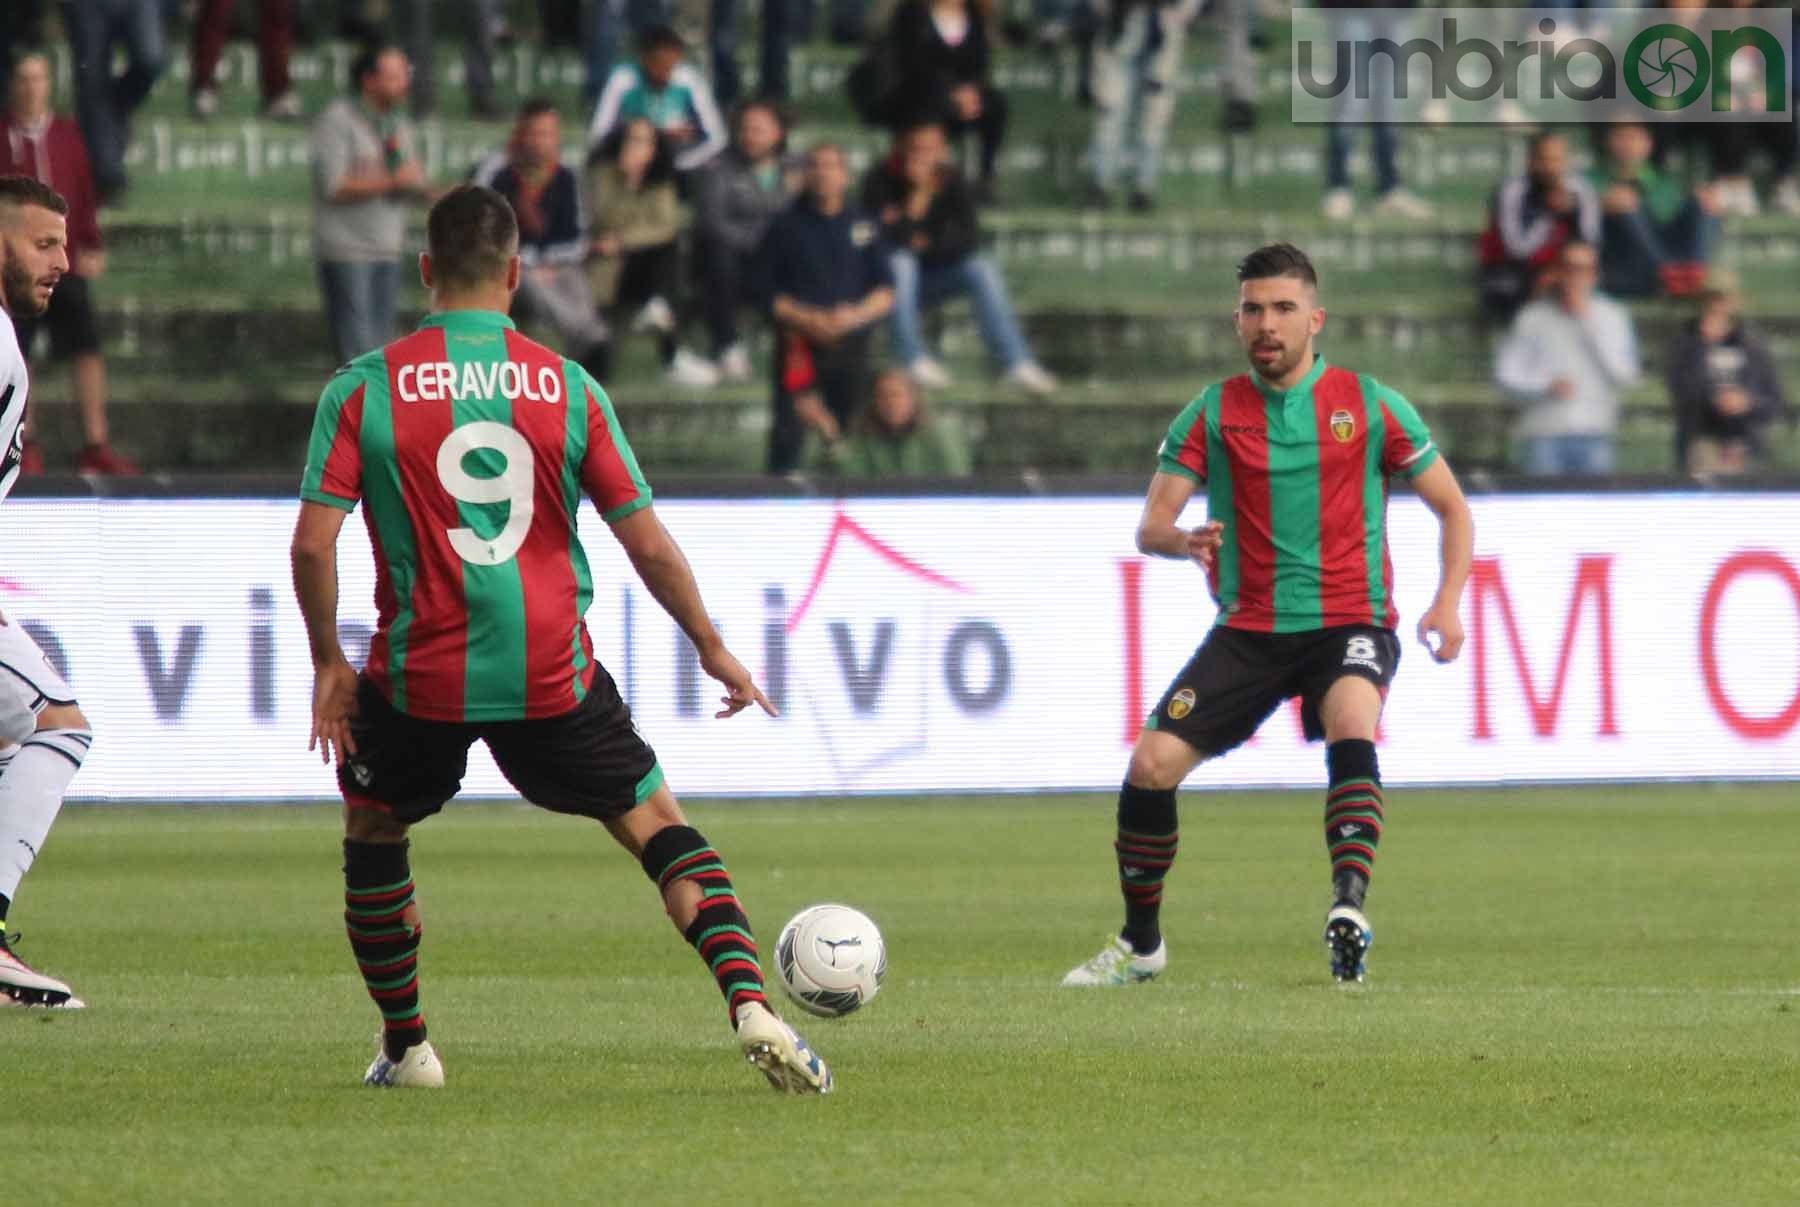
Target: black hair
(656,37)
(368,59)
(662,164)
(28,190)
(1277,260)
(471,235)
(535,107)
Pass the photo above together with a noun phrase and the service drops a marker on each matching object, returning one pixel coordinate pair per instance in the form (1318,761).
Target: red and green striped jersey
(470,447)
(1300,480)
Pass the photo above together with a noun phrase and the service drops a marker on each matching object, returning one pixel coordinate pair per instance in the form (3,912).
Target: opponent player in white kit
(43,736)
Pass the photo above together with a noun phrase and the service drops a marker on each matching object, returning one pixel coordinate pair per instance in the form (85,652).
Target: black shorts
(589,762)
(70,321)
(1236,679)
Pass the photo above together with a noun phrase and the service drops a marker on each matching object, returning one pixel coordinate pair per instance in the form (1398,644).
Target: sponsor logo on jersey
(1181,704)
(1343,426)
(440,381)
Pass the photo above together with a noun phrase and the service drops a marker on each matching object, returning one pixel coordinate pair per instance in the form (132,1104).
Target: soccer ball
(831,959)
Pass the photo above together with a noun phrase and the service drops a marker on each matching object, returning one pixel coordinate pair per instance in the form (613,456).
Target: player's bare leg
(384,925)
(1145,846)
(35,776)
(697,893)
(1350,712)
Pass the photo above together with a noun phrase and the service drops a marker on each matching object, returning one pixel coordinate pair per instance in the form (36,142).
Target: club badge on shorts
(1181,703)
(1343,426)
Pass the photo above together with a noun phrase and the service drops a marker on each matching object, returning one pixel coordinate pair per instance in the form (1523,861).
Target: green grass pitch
(1576,996)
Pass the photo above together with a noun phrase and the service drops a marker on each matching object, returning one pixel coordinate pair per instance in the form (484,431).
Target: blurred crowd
(686,220)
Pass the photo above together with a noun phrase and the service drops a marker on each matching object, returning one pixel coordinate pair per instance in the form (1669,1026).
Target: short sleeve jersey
(1300,480)
(14,383)
(470,447)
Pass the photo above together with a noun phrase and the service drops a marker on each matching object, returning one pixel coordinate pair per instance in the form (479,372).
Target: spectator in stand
(35,142)
(553,242)
(945,76)
(104,102)
(669,93)
(366,172)
(1724,390)
(1352,21)
(1136,67)
(1733,145)
(633,222)
(478,22)
(897,436)
(933,239)
(1531,218)
(274,41)
(1568,354)
(735,198)
(828,284)
(1656,236)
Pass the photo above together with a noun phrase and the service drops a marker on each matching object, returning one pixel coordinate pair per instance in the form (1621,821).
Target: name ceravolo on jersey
(441,381)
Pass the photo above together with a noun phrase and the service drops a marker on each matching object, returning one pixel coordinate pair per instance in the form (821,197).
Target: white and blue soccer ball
(831,959)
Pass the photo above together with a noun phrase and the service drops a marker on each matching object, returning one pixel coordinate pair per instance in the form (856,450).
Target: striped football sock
(720,932)
(384,929)
(1145,848)
(1353,817)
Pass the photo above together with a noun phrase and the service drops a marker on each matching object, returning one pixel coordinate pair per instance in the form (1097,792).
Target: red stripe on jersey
(1343,472)
(342,473)
(546,571)
(1192,453)
(437,643)
(1244,427)
(604,474)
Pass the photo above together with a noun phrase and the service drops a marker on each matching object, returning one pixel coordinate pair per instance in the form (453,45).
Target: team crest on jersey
(1181,704)
(1343,426)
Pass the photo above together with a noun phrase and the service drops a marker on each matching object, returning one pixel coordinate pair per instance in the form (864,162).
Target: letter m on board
(1593,581)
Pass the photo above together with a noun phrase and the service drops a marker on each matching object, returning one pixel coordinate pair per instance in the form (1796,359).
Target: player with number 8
(470,448)
(1296,457)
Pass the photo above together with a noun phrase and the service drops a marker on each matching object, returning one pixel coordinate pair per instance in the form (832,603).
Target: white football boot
(1347,938)
(23,985)
(786,1059)
(417,1069)
(1118,964)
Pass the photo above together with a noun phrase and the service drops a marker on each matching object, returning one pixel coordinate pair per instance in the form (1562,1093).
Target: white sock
(31,794)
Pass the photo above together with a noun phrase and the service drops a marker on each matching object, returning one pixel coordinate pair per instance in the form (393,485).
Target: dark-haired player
(470,448)
(1295,456)
(43,735)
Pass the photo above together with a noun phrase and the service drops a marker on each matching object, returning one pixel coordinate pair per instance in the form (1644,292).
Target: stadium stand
(212,265)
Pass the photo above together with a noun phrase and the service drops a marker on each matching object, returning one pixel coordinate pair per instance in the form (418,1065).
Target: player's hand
(1443,621)
(740,689)
(1203,542)
(334,703)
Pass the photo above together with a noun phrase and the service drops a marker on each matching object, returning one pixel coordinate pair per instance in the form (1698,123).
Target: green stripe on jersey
(324,435)
(386,505)
(1374,500)
(494,663)
(576,384)
(1294,507)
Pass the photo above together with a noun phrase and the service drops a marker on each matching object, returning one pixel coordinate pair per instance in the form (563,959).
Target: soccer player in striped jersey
(43,735)
(470,447)
(1295,456)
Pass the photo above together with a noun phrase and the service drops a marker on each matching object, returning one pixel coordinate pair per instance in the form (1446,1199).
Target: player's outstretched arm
(314,557)
(1456,550)
(1159,535)
(659,561)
